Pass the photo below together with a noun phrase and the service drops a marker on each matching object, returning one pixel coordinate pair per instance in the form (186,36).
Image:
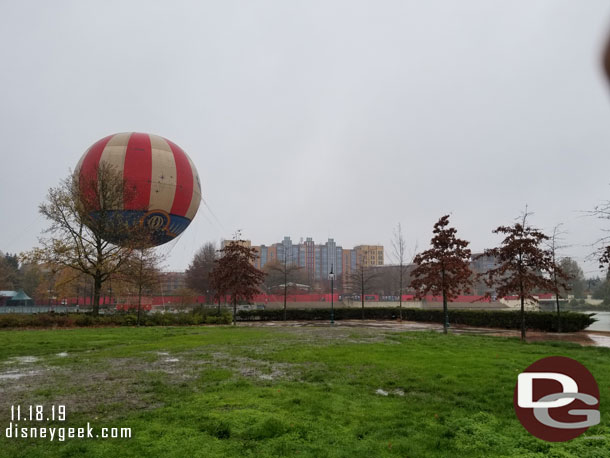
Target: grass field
(262,391)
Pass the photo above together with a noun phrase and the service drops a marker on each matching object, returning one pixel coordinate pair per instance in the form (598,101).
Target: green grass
(303,392)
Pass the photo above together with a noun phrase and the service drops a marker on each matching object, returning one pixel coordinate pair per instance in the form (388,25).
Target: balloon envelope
(164,187)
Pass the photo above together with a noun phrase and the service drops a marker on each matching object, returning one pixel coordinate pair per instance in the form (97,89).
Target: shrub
(225,318)
(48,320)
(542,321)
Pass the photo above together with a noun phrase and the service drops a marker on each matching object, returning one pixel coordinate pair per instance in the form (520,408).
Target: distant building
(246,243)
(481,264)
(369,255)
(318,259)
(349,264)
(15,298)
(171,282)
(6,296)
(265,255)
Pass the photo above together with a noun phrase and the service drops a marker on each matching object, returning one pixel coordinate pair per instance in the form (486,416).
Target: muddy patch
(254,368)
(107,388)
(20,367)
(15,375)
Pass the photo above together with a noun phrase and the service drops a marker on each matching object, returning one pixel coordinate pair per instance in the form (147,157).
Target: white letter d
(525,392)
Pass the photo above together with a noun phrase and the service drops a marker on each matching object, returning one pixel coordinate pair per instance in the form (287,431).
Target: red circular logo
(556,399)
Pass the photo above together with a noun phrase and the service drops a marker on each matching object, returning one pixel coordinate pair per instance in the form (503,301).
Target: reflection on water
(602,323)
(600,340)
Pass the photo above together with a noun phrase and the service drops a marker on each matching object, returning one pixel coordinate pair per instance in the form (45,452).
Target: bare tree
(82,216)
(602,211)
(362,279)
(399,247)
(186,296)
(286,272)
(198,272)
(557,273)
(234,273)
(142,271)
(400,257)
(523,263)
(32,277)
(576,283)
(444,268)
(9,272)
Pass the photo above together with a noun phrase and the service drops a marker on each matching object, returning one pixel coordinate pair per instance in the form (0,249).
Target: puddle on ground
(171,360)
(25,359)
(396,392)
(599,340)
(63,354)
(14,375)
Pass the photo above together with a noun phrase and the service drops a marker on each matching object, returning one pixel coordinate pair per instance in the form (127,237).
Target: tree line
(75,250)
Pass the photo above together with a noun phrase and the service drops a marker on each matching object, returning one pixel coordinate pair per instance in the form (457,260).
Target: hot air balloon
(162,190)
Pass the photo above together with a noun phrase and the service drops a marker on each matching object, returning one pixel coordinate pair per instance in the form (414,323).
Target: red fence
(149,301)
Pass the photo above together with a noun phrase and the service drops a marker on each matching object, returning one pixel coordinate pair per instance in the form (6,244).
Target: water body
(602,323)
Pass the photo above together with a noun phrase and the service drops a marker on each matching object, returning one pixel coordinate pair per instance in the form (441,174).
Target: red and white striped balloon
(166,184)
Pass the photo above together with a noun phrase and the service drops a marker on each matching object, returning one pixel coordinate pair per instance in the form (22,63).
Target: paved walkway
(587,338)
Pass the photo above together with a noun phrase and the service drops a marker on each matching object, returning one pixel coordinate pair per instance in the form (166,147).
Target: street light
(331,276)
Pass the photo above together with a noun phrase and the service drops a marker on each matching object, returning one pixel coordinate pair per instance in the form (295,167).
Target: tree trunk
(234,310)
(285,293)
(219,305)
(362,297)
(522,313)
(445,313)
(140,287)
(97,286)
(558,315)
(445,308)
(400,296)
(139,304)
(285,280)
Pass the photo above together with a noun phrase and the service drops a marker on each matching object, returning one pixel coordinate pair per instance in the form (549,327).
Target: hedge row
(62,320)
(541,321)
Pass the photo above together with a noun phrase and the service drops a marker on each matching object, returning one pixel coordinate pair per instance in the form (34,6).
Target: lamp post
(331,276)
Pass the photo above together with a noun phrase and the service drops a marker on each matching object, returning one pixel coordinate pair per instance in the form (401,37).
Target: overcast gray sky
(319,118)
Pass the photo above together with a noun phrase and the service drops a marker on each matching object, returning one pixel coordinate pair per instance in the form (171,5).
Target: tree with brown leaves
(524,265)
(443,269)
(76,238)
(234,273)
